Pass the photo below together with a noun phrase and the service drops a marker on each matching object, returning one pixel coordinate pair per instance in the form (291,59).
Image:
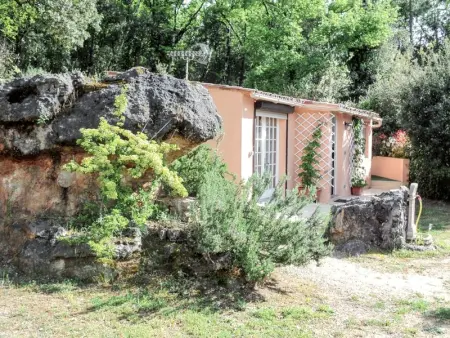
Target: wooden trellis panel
(306,123)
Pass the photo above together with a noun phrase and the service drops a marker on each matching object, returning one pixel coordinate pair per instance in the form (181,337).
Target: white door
(266,150)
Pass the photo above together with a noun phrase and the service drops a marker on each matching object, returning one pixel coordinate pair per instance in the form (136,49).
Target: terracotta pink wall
(301,125)
(230,106)
(236,143)
(392,168)
(343,149)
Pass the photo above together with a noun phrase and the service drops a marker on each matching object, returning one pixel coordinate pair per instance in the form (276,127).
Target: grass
(179,307)
(165,307)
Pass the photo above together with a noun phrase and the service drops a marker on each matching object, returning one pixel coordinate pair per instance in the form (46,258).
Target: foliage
(309,174)
(230,219)
(426,117)
(123,162)
(303,47)
(46,32)
(193,167)
(397,145)
(359,146)
(394,70)
(7,61)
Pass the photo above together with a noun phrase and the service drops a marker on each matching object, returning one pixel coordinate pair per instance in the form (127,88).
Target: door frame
(276,116)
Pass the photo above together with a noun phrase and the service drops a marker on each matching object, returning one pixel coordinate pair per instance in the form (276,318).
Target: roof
(296,102)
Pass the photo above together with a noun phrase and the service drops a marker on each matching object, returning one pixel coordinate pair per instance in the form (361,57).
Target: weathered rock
(174,248)
(129,244)
(158,105)
(417,247)
(379,221)
(40,97)
(179,207)
(48,252)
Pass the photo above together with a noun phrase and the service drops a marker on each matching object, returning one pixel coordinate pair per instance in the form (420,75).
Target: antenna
(200,53)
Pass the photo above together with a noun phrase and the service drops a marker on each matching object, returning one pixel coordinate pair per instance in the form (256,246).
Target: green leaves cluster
(309,174)
(130,169)
(425,113)
(230,219)
(305,48)
(358,178)
(193,167)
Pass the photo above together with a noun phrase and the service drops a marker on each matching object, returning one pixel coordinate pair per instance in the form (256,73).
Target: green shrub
(193,167)
(229,218)
(122,160)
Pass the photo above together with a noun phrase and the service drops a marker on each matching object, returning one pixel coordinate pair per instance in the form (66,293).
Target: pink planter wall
(392,168)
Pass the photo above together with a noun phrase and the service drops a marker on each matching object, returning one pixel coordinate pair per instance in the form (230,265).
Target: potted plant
(358,181)
(309,174)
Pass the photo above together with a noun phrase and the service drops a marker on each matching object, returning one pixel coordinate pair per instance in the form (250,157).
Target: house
(267,132)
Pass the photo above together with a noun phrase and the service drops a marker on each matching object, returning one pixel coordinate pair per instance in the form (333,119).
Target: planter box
(389,167)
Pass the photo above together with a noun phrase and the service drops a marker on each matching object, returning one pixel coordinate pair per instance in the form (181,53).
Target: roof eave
(295,102)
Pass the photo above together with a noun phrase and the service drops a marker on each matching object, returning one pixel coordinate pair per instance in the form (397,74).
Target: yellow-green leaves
(118,157)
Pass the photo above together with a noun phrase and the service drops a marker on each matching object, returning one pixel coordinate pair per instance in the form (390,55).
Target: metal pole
(187,69)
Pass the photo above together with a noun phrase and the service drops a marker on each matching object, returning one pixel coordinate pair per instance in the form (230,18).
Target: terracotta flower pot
(357,191)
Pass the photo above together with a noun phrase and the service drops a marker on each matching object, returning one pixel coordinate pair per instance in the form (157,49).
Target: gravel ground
(347,277)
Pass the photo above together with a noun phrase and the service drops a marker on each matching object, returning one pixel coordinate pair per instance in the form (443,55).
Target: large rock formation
(378,222)
(40,121)
(46,112)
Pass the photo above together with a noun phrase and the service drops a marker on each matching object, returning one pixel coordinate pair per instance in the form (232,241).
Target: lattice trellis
(306,123)
(350,153)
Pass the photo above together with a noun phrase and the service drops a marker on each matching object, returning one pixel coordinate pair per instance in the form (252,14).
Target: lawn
(285,307)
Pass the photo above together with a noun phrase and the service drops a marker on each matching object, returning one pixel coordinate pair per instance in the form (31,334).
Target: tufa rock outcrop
(379,221)
(40,121)
(46,112)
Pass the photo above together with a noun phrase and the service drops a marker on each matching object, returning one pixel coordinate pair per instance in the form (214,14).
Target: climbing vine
(358,174)
(123,161)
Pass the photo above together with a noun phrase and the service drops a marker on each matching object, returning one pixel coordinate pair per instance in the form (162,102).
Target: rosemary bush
(230,219)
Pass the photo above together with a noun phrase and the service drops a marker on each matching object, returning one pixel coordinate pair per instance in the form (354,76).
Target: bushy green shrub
(120,158)
(229,218)
(193,167)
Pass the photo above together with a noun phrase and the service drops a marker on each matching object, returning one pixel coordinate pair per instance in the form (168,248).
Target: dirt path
(347,277)
(370,302)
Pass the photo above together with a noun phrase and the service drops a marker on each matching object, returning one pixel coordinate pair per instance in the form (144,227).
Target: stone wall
(358,224)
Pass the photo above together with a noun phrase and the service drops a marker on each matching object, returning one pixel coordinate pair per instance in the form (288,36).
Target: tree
(45,32)
(426,117)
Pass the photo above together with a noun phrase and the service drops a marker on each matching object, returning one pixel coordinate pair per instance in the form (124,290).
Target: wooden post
(411,231)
